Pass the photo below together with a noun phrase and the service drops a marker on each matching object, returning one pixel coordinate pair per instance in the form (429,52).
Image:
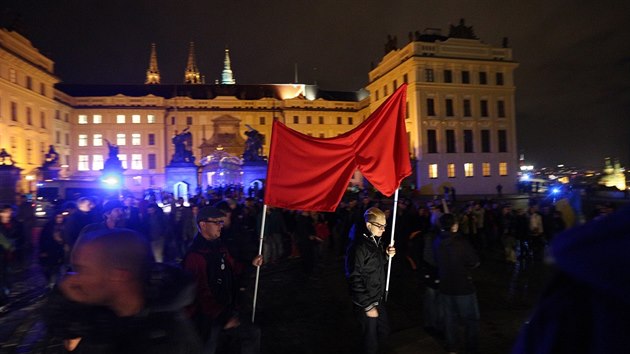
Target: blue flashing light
(111,181)
(525,177)
(555,190)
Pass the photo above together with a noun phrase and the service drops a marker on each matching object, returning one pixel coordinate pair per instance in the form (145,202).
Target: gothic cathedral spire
(226,75)
(191,75)
(153,74)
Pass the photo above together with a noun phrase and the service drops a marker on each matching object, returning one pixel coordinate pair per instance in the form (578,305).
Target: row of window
(469,170)
(467,109)
(468,138)
(120,119)
(28,113)
(98,162)
(463,78)
(121,139)
(28,82)
(320,120)
(405,80)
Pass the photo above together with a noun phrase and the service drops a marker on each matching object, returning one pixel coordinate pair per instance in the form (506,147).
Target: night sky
(573,82)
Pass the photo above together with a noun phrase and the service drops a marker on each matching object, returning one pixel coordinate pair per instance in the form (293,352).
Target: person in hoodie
(215,310)
(117,300)
(586,306)
(366,260)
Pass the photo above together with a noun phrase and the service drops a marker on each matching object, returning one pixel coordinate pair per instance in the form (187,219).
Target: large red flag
(308,173)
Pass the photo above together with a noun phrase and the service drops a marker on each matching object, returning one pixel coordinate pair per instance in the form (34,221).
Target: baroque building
(460,113)
(461,116)
(31,116)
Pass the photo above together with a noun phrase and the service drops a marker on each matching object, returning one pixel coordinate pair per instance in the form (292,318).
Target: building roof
(195,91)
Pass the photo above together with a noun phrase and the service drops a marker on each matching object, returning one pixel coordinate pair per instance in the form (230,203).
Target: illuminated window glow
(82,119)
(135,139)
(151,119)
(469,169)
(97,140)
(120,119)
(485,169)
(83,163)
(136,161)
(97,119)
(503,170)
(123,160)
(83,140)
(135,118)
(450,170)
(97,162)
(121,139)
(433,170)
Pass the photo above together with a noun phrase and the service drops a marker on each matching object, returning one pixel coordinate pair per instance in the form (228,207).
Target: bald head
(119,249)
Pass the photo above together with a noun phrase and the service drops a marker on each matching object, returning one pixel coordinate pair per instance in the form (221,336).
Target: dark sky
(573,82)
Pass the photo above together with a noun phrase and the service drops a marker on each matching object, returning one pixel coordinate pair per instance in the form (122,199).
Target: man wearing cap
(112,217)
(215,308)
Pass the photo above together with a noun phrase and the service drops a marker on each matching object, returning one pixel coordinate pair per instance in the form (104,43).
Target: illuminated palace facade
(460,107)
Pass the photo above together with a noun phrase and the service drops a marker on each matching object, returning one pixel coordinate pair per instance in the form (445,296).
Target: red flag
(308,173)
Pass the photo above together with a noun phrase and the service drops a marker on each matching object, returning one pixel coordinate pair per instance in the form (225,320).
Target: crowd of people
(139,271)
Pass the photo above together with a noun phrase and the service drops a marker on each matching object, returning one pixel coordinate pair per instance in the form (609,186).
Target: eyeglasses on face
(216,222)
(382,227)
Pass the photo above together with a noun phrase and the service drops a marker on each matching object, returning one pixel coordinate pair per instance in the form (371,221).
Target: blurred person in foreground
(118,300)
(215,310)
(586,306)
(366,261)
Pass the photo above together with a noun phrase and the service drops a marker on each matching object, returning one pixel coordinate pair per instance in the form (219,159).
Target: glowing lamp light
(555,190)
(111,181)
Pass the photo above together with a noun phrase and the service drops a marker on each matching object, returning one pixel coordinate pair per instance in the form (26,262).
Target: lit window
(135,118)
(433,170)
(121,139)
(82,119)
(485,169)
(468,169)
(136,161)
(97,140)
(97,162)
(83,164)
(123,160)
(82,141)
(97,119)
(135,139)
(120,119)
(503,169)
(150,119)
(450,170)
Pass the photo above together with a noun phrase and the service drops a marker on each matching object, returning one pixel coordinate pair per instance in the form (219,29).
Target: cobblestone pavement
(300,314)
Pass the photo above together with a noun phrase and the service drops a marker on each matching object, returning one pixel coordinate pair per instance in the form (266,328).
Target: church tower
(191,75)
(227,78)
(153,74)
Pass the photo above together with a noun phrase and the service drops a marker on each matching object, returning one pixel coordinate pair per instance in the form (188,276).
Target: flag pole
(391,243)
(260,246)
